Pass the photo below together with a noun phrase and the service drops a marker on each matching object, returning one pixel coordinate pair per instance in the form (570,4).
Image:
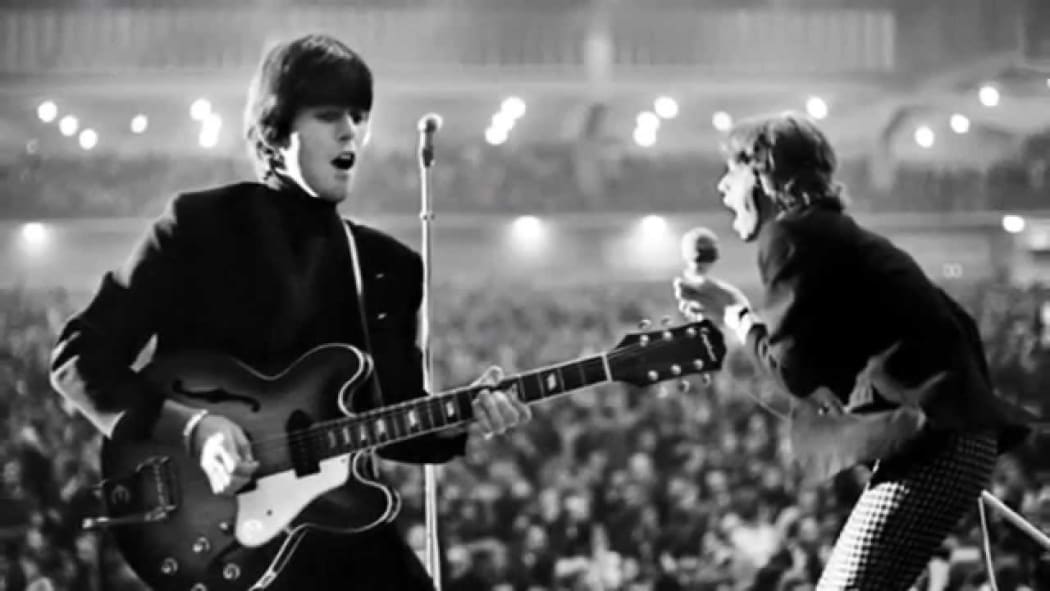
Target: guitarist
(263,272)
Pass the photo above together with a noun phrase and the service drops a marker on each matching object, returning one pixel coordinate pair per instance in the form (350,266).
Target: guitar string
(299,435)
(315,432)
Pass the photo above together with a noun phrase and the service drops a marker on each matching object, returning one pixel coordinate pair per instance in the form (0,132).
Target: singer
(835,296)
(264,272)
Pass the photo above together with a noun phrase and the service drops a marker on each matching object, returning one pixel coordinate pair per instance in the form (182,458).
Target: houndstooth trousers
(908,508)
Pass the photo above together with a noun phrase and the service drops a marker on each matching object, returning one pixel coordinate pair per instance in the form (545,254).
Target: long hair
(309,71)
(791,156)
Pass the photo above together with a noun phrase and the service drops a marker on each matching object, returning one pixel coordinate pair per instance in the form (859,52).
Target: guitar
(315,454)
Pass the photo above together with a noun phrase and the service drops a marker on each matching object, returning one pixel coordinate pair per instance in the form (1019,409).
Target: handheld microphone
(699,253)
(428,125)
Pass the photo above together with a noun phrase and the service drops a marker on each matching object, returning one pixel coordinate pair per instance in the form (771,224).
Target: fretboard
(447,410)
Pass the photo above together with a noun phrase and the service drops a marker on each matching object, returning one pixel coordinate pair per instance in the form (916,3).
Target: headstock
(647,357)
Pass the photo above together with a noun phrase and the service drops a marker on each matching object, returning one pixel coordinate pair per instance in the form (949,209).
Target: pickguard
(277,499)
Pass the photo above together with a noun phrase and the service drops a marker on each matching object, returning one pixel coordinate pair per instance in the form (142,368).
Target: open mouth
(344,161)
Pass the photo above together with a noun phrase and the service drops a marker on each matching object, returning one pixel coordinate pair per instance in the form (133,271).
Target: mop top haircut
(792,159)
(313,70)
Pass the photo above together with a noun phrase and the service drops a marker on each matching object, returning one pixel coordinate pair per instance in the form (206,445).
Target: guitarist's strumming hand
(224,453)
(495,411)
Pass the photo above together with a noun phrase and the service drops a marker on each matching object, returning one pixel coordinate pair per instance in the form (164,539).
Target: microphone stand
(428,124)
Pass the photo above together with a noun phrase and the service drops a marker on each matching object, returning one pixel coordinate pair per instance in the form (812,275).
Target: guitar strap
(295,536)
(355,262)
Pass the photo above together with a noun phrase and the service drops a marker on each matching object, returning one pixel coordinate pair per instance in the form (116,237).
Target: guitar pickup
(147,495)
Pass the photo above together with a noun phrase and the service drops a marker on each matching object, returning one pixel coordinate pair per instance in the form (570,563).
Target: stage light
(139,123)
(528,234)
(988,95)
(210,127)
(666,107)
(68,125)
(816,107)
(647,120)
(513,106)
(1013,224)
(34,237)
(645,136)
(654,224)
(47,111)
(496,135)
(722,121)
(88,139)
(200,109)
(502,121)
(925,137)
(959,123)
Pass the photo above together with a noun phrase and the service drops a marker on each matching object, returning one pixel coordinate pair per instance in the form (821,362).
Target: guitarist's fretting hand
(224,454)
(495,411)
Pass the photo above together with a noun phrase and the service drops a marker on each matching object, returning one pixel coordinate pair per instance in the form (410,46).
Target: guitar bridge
(145,496)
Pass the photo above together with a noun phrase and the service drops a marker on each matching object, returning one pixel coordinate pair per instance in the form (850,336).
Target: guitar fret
(464,398)
(523,392)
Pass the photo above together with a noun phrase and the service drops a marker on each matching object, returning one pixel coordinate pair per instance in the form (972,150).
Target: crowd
(535,179)
(614,487)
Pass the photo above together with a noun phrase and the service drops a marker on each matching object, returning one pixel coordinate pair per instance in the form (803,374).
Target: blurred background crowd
(574,119)
(615,487)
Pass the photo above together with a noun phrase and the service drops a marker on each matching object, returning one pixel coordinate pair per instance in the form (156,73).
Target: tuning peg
(676,370)
(684,386)
(691,332)
(645,323)
(666,320)
(653,376)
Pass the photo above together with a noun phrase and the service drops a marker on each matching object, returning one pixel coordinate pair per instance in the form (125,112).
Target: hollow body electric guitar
(315,454)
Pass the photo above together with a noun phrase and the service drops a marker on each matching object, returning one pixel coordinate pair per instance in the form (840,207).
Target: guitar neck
(451,409)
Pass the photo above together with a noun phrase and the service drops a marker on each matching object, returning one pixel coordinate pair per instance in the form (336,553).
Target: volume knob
(201,545)
(231,572)
(169,566)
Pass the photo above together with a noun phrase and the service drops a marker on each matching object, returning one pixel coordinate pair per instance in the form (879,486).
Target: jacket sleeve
(787,344)
(426,449)
(91,362)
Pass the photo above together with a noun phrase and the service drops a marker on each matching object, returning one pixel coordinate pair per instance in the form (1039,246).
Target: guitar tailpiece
(145,496)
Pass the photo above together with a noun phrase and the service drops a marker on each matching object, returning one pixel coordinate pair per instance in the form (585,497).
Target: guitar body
(315,464)
(222,542)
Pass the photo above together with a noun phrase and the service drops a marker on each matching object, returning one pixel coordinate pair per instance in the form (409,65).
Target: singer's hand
(707,297)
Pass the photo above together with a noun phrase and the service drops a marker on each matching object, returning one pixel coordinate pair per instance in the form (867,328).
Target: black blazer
(261,272)
(836,294)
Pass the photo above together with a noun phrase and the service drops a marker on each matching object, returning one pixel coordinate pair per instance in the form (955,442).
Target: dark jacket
(261,272)
(836,294)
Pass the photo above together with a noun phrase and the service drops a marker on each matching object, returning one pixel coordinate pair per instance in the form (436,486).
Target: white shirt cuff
(740,319)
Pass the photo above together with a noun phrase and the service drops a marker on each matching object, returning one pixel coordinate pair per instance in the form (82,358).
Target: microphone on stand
(428,125)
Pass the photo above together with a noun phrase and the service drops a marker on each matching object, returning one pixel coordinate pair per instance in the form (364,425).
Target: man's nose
(347,128)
